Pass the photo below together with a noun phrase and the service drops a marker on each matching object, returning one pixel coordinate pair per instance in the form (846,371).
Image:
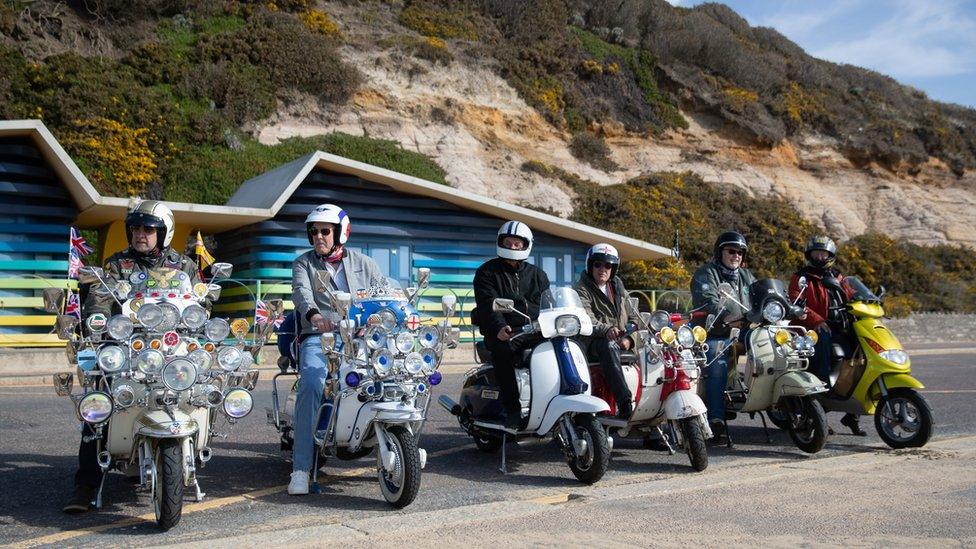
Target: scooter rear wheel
(487,444)
(590,465)
(910,423)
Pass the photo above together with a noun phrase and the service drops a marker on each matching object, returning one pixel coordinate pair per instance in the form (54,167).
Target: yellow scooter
(876,378)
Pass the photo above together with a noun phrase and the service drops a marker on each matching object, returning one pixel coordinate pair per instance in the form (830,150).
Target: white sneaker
(299,483)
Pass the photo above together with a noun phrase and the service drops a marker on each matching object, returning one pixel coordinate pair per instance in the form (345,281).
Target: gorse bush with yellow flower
(118,157)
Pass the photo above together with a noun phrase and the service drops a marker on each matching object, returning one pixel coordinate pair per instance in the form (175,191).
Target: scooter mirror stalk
(90,275)
(423,277)
(323,281)
(725,289)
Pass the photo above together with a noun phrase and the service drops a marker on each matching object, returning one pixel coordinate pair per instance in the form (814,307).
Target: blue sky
(928,45)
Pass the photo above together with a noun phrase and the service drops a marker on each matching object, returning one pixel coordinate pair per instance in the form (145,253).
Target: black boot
(655,443)
(852,422)
(81,500)
(718,432)
(624,409)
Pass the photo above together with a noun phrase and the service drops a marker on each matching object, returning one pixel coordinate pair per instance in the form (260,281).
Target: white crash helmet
(605,253)
(330,213)
(517,229)
(150,213)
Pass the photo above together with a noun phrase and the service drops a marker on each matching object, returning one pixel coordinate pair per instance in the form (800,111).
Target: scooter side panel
(349,417)
(545,382)
(121,431)
(562,404)
(797,384)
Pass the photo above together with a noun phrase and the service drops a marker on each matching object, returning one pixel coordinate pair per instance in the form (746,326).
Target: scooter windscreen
(769,301)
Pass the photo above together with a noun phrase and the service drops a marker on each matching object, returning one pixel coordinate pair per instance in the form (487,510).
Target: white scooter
(554,391)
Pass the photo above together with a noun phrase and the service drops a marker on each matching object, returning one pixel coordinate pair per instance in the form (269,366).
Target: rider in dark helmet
(725,266)
(824,299)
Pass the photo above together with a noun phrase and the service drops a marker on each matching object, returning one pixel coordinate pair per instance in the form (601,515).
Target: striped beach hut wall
(35,214)
(402,222)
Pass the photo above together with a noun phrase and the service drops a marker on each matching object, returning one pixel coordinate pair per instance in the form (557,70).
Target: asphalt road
(245,481)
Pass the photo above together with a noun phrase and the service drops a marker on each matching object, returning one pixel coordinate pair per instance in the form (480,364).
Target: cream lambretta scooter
(774,375)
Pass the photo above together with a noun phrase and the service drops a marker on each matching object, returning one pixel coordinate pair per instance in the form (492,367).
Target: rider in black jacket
(509,276)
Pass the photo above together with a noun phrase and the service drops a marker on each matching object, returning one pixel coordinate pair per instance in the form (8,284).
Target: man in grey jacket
(725,266)
(328,230)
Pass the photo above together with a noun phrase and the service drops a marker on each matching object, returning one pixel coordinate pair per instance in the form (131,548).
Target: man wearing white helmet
(328,229)
(509,276)
(604,297)
(149,227)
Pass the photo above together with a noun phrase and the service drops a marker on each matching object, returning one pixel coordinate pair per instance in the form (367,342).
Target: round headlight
(388,319)
(119,327)
(179,375)
(111,358)
(201,359)
(667,335)
(213,395)
(783,337)
(660,320)
(238,403)
(567,325)
(414,363)
(430,359)
(773,311)
(699,333)
(124,395)
(95,407)
(149,315)
(194,317)
(150,361)
(171,317)
(428,337)
(216,329)
(382,361)
(404,342)
(229,358)
(814,336)
(375,337)
(686,338)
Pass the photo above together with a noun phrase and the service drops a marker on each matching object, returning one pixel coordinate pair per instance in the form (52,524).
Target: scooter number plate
(489,394)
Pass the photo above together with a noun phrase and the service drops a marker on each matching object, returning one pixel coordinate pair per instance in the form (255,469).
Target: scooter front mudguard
(797,384)
(159,424)
(682,404)
(563,404)
(871,393)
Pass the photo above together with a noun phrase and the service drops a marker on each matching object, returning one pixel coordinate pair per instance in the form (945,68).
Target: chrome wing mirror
(221,270)
(323,281)
(63,382)
(341,301)
(423,277)
(327,340)
(53,299)
(65,326)
(448,303)
(500,305)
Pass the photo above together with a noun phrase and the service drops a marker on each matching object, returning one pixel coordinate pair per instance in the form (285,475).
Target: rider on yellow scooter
(824,311)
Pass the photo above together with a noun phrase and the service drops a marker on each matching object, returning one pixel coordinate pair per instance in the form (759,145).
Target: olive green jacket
(120,267)
(604,313)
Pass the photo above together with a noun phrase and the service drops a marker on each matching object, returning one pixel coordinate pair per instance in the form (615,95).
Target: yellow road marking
(187,509)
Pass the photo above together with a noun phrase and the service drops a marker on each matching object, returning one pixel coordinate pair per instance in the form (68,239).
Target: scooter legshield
(563,404)
(682,404)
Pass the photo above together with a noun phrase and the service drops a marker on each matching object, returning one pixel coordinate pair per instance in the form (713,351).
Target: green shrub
(424,47)
(210,175)
(242,92)
(592,150)
(430,19)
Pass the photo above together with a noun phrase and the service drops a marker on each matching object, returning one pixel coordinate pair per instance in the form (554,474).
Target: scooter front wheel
(401,482)
(691,429)
(808,424)
(591,463)
(168,485)
(904,419)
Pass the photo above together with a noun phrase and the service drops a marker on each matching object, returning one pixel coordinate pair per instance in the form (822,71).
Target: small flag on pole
(78,243)
(74,264)
(73,308)
(261,314)
(204,259)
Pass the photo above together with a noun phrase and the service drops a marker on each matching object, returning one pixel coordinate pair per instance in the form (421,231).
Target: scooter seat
(484,355)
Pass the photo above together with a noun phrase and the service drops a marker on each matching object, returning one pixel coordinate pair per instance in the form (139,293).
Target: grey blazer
(361,272)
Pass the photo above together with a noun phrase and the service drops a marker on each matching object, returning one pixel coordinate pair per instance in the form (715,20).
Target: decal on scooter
(489,394)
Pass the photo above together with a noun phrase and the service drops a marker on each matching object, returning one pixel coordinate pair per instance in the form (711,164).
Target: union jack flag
(74,264)
(74,307)
(261,314)
(78,243)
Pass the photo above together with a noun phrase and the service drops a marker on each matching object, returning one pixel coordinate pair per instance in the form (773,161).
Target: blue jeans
(716,378)
(314,370)
(823,355)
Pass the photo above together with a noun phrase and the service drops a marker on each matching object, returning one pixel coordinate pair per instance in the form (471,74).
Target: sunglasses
(321,232)
(733,251)
(602,265)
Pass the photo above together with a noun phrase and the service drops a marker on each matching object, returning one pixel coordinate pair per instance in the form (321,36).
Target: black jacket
(497,278)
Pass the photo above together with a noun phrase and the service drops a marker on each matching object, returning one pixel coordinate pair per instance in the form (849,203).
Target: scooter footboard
(682,404)
(563,404)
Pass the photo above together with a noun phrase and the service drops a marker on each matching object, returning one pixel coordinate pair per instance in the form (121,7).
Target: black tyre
(694,435)
(591,465)
(400,484)
(808,423)
(904,419)
(487,443)
(168,486)
(779,419)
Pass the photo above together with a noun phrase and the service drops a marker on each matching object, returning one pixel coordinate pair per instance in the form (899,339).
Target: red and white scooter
(662,372)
